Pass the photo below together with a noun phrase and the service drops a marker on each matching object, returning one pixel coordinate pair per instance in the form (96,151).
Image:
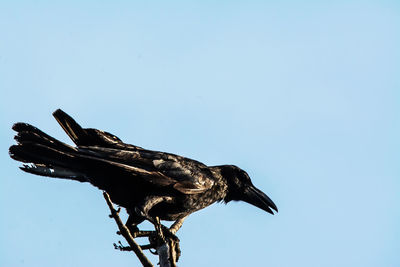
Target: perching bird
(149,184)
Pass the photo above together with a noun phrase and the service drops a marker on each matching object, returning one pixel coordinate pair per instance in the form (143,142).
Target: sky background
(303,95)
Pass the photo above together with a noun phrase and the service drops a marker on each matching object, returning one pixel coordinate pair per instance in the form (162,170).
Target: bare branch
(126,233)
(164,253)
(162,239)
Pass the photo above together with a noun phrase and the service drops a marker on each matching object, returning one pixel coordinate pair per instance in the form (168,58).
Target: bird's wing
(193,177)
(158,168)
(187,176)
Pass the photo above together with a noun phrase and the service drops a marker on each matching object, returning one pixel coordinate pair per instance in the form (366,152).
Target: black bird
(149,184)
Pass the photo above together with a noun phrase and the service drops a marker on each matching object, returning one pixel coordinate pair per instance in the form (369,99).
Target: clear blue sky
(303,95)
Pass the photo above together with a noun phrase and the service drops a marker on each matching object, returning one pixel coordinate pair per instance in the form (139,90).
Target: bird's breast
(186,204)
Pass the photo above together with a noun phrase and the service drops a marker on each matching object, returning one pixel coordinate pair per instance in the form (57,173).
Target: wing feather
(187,176)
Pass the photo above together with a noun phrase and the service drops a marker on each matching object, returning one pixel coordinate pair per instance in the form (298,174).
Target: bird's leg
(177,225)
(158,228)
(173,241)
(132,225)
(171,231)
(168,240)
(132,222)
(148,204)
(164,235)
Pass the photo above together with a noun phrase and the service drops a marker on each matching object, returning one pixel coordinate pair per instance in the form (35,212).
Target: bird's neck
(221,184)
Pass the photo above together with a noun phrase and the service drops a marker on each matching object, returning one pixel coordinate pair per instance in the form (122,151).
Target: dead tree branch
(126,233)
(162,239)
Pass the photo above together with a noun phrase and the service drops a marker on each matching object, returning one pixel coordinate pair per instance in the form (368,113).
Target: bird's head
(240,187)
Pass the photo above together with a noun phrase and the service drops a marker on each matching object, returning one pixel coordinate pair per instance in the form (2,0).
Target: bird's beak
(256,197)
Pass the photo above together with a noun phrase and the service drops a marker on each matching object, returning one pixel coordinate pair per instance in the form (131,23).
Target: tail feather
(43,139)
(77,134)
(56,172)
(46,161)
(50,157)
(26,127)
(40,154)
(85,136)
(34,146)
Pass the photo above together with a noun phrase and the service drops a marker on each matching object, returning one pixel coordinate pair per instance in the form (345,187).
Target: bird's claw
(169,234)
(133,229)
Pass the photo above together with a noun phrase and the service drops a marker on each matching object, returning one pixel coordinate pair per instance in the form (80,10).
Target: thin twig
(126,233)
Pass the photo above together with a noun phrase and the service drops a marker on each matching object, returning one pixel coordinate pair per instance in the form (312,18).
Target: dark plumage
(147,183)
